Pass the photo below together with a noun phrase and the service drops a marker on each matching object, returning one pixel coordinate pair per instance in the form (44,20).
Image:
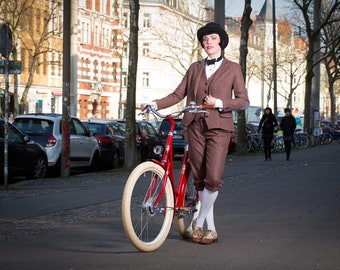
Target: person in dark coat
(267,124)
(288,125)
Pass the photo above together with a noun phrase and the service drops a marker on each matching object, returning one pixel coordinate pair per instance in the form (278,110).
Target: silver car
(46,129)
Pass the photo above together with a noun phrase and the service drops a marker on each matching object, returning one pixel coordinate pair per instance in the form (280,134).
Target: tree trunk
(130,144)
(241,116)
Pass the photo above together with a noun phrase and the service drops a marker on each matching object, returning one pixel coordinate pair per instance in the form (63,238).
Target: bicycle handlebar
(193,108)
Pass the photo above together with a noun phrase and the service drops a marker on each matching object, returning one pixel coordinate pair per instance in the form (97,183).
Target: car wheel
(39,169)
(95,165)
(115,160)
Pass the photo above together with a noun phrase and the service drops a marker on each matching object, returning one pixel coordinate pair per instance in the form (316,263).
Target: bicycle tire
(302,141)
(184,221)
(147,226)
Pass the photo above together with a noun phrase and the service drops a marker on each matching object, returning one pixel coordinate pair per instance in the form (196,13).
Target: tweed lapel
(201,72)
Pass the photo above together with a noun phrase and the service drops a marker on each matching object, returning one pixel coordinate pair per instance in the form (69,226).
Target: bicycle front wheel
(147,206)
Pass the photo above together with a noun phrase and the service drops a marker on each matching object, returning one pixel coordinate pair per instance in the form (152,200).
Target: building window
(102,71)
(45,64)
(23,60)
(87,68)
(57,21)
(95,70)
(60,65)
(114,72)
(53,64)
(104,6)
(37,20)
(124,79)
(146,20)
(145,79)
(82,67)
(146,49)
(85,32)
(96,35)
(107,71)
(83,3)
(125,20)
(125,51)
(106,37)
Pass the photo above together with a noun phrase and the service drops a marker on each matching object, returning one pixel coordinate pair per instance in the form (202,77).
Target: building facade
(167,46)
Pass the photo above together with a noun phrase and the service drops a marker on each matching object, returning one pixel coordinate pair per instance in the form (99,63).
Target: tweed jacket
(227,84)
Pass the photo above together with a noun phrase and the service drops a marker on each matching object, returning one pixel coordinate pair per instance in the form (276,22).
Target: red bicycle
(151,198)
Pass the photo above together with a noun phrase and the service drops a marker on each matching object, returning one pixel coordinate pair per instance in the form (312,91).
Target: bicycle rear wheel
(301,141)
(191,202)
(147,222)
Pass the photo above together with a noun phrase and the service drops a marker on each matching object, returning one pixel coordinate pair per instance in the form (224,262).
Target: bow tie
(213,61)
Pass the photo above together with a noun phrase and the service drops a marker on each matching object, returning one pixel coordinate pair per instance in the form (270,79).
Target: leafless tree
(12,12)
(291,62)
(330,39)
(130,144)
(246,22)
(312,32)
(33,26)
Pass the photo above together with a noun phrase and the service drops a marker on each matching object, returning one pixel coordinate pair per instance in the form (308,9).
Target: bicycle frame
(167,164)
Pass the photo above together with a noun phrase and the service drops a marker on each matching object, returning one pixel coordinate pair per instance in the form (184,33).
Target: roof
(266,13)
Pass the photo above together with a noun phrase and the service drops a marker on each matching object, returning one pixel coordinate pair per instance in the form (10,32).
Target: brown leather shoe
(209,237)
(190,230)
(197,235)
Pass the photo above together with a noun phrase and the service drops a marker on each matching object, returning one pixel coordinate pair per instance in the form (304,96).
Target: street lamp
(274,59)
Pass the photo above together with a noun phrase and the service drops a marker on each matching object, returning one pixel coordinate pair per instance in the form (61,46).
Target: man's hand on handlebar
(152,104)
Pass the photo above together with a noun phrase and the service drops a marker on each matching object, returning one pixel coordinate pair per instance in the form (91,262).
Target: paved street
(269,215)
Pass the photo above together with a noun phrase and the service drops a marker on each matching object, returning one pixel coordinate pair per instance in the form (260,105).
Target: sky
(234,8)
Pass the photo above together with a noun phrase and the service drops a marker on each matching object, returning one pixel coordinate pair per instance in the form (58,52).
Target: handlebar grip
(204,107)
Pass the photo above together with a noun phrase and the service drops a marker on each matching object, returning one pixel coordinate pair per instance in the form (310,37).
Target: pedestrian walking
(267,124)
(212,81)
(288,126)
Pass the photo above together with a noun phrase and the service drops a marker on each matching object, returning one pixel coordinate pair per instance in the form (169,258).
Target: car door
(20,154)
(82,145)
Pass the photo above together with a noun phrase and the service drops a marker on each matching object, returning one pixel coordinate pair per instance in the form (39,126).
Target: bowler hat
(213,28)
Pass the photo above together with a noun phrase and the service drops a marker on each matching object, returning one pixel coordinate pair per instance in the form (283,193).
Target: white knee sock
(210,219)
(207,199)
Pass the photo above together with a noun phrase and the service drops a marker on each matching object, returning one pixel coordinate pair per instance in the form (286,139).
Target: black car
(147,138)
(25,157)
(111,138)
(178,139)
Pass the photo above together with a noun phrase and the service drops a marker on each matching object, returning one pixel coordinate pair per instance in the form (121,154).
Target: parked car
(147,138)
(46,129)
(178,139)
(25,157)
(111,138)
